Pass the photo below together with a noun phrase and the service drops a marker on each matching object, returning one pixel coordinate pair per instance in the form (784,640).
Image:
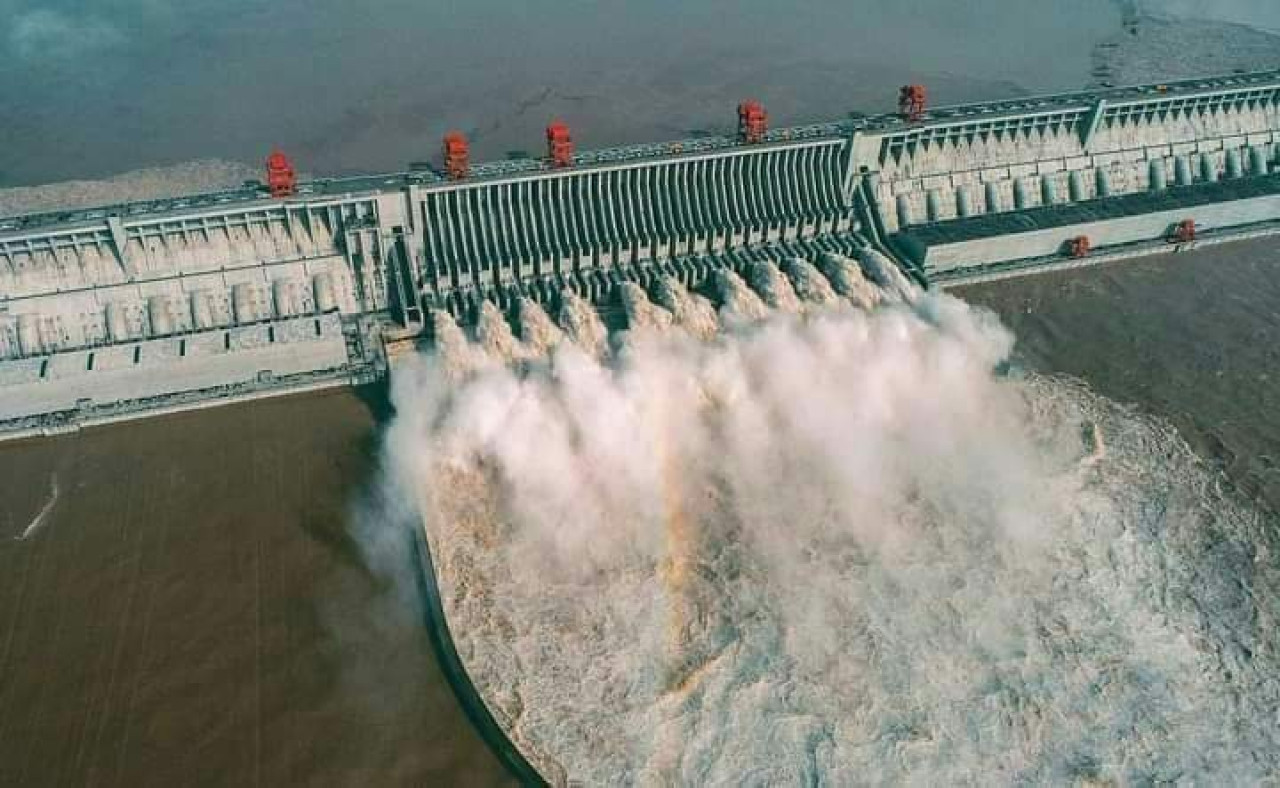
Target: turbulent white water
(583,326)
(537,331)
(836,548)
(740,304)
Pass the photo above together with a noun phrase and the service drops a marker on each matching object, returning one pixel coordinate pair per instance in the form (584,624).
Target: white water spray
(455,355)
(693,313)
(583,326)
(774,288)
(840,549)
(739,303)
(642,314)
(495,336)
(810,285)
(846,279)
(538,333)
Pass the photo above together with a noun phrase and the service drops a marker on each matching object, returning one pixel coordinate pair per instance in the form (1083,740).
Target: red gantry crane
(911,102)
(559,144)
(753,122)
(281,180)
(1079,246)
(457,155)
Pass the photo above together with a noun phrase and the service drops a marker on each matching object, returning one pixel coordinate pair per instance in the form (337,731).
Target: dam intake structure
(124,310)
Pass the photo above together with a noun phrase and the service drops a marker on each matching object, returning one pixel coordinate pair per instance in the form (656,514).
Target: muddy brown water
(1192,336)
(193,610)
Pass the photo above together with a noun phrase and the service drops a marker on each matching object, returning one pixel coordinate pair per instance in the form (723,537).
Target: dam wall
(154,369)
(984,242)
(538,230)
(1035,152)
(114,279)
(946,192)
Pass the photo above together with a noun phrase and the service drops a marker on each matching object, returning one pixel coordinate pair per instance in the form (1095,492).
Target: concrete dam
(145,307)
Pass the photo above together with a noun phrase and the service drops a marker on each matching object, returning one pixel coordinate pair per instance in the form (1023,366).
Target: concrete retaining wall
(1111,232)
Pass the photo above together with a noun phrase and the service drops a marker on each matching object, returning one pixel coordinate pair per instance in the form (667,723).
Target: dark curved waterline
(454,671)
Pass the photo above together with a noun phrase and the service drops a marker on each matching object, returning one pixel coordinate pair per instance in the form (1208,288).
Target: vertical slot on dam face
(579,229)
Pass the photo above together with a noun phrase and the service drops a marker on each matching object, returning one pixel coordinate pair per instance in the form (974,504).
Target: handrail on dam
(320,188)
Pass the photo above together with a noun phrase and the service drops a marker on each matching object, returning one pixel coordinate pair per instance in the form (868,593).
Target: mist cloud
(835,546)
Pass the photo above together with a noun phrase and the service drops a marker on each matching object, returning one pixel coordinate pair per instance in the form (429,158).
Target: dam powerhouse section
(144,307)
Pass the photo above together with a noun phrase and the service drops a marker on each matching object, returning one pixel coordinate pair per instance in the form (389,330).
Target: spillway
(957,194)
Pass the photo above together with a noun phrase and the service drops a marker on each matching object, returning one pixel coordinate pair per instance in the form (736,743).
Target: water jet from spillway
(848,280)
(642,314)
(539,334)
(457,356)
(811,286)
(738,303)
(583,326)
(774,288)
(691,312)
(495,335)
(835,546)
(885,274)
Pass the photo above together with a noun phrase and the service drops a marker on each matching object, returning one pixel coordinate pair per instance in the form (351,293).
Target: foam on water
(43,515)
(840,549)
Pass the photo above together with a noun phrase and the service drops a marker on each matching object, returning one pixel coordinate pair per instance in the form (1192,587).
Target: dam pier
(122,311)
